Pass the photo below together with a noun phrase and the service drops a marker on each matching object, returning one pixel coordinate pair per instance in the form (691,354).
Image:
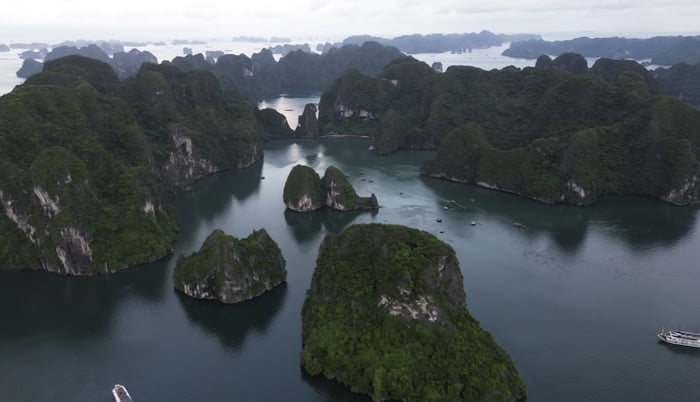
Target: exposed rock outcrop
(185,166)
(304,191)
(231,270)
(382,299)
(98,202)
(340,195)
(308,122)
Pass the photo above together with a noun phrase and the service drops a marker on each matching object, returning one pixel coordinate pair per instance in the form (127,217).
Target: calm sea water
(576,298)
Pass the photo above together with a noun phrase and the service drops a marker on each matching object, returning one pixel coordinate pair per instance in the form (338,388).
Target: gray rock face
(374,288)
(687,193)
(231,270)
(185,166)
(308,122)
(302,190)
(341,196)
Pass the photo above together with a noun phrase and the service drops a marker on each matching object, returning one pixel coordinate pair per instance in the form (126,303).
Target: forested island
(305,191)
(661,50)
(248,78)
(437,43)
(231,270)
(124,64)
(242,77)
(386,315)
(89,163)
(557,133)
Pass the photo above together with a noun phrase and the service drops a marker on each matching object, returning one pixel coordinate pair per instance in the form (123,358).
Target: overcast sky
(165,20)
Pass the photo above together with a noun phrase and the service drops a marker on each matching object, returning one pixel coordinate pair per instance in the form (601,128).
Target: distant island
(249,78)
(124,64)
(436,43)
(258,39)
(660,50)
(230,270)
(557,133)
(305,191)
(254,39)
(286,48)
(178,42)
(386,316)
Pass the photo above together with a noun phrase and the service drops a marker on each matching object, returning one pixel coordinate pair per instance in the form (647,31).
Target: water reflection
(74,308)
(621,217)
(212,196)
(331,390)
(291,104)
(306,226)
(231,323)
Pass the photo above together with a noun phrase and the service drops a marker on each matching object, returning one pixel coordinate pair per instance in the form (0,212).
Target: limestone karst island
(231,270)
(305,191)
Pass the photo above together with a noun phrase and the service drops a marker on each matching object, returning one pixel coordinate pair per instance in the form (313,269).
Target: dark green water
(576,298)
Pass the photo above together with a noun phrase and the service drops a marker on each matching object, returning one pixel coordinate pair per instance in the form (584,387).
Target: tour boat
(682,338)
(121,394)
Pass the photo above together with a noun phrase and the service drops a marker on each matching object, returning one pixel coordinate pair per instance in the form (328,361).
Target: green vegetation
(250,78)
(682,81)
(340,194)
(386,315)
(663,50)
(302,190)
(231,270)
(88,164)
(559,132)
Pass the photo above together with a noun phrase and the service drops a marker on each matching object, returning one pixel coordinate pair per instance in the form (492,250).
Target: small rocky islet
(305,191)
(386,315)
(231,270)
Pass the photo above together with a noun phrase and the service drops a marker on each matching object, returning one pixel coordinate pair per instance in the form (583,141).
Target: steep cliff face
(688,192)
(274,124)
(185,164)
(350,105)
(308,122)
(302,190)
(340,195)
(382,299)
(89,163)
(231,270)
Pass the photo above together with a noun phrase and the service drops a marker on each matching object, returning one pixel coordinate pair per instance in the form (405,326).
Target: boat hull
(681,338)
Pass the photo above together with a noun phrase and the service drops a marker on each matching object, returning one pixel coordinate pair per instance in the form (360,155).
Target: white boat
(121,394)
(682,338)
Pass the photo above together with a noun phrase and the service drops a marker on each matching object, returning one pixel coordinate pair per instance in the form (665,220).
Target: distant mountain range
(436,43)
(661,50)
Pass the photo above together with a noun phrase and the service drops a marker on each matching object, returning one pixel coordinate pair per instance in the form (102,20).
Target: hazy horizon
(299,19)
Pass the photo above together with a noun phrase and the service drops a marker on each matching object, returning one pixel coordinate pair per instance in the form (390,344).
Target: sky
(52,20)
